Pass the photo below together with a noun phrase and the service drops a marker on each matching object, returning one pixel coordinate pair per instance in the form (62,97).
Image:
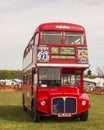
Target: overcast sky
(19,18)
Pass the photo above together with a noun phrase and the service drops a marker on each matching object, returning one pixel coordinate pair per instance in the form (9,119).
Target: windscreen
(49,77)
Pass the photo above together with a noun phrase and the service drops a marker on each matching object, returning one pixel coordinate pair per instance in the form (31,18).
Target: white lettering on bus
(60,26)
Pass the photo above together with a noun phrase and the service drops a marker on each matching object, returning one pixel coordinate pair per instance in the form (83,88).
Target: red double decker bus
(53,65)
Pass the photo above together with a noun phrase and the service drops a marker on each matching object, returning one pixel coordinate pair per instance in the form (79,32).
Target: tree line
(99,73)
(10,74)
(17,74)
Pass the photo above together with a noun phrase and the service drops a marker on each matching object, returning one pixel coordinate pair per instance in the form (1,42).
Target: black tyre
(84,116)
(35,114)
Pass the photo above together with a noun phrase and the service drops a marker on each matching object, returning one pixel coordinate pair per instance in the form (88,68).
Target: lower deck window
(49,77)
(70,79)
(52,77)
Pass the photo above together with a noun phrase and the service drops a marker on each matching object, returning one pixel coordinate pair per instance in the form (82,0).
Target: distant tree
(100,71)
(89,72)
(10,74)
(2,75)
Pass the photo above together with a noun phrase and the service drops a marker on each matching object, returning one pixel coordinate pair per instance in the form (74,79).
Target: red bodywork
(62,101)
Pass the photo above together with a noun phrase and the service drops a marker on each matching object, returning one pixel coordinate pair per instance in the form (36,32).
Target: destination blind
(62,52)
(67,50)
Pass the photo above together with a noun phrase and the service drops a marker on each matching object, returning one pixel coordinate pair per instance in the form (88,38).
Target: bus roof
(57,26)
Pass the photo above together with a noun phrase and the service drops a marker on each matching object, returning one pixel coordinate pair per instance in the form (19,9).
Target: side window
(27,79)
(34,73)
(36,38)
(35,79)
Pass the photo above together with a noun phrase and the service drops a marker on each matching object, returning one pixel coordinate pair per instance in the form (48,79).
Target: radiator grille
(64,105)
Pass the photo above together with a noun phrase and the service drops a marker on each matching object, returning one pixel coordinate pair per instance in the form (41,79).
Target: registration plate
(64,114)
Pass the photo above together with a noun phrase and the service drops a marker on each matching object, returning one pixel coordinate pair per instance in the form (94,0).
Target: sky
(19,19)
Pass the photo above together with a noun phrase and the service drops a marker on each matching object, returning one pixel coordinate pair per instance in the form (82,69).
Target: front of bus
(62,58)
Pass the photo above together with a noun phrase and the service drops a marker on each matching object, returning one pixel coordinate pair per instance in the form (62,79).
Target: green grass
(13,117)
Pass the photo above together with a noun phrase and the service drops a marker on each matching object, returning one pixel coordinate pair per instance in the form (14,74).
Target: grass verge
(13,117)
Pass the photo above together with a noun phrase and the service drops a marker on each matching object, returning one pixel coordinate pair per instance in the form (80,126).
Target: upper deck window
(73,38)
(51,37)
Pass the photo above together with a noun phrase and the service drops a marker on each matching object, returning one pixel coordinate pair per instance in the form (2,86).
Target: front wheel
(35,114)
(84,116)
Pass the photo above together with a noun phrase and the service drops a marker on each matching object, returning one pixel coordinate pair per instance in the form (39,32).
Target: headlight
(83,102)
(43,103)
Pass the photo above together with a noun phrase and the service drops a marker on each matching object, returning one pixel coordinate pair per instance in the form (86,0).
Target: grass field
(12,116)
